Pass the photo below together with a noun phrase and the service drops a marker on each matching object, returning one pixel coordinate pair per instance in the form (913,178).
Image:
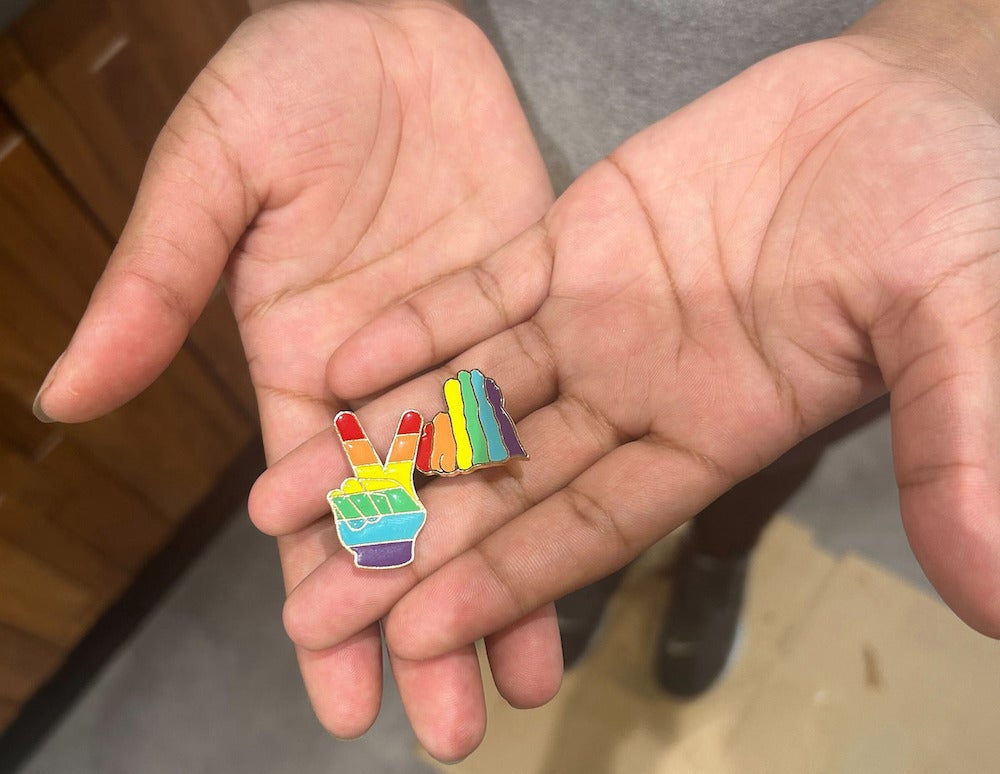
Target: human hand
(729,281)
(332,159)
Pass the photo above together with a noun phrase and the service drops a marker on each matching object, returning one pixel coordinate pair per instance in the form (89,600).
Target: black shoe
(700,626)
(580,615)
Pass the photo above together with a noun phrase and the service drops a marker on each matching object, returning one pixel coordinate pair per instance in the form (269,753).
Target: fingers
(459,421)
(291,493)
(404,443)
(526,659)
(444,701)
(446,318)
(403,451)
(461,512)
(364,460)
(192,207)
(344,683)
(945,408)
(615,509)
(443,696)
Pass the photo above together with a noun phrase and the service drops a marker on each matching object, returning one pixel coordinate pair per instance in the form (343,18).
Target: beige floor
(842,669)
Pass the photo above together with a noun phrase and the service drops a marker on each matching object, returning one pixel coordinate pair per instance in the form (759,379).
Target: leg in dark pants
(700,626)
(710,572)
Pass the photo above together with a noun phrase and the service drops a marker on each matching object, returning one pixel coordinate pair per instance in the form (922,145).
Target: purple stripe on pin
(507,431)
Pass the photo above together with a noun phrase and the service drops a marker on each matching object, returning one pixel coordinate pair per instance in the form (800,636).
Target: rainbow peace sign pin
(377,511)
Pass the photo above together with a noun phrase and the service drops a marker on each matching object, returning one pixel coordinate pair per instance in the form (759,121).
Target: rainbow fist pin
(377,512)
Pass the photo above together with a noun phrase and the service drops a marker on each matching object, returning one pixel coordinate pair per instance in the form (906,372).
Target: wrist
(957,41)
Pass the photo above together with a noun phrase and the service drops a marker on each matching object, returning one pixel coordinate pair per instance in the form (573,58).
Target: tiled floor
(209,684)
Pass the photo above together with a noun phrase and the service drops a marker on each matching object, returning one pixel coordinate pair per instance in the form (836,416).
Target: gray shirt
(591,73)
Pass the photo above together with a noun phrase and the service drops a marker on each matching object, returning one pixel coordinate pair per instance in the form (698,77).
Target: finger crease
(596,517)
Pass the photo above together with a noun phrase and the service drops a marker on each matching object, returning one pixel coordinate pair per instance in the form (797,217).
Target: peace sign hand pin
(377,511)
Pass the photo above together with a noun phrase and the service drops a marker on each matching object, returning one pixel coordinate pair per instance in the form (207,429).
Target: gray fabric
(591,73)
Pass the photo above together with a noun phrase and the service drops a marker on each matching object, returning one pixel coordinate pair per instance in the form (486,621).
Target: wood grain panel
(8,711)
(114,519)
(29,529)
(29,497)
(101,77)
(177,37)
(21,431)
(80,53)
(43,231)
(56,130)
(26,662)
(38,600)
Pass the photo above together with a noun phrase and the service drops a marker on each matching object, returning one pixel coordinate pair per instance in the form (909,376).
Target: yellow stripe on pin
(456,412)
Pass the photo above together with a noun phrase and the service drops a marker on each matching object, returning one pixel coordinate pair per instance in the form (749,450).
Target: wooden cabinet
(95,79)
(85,86)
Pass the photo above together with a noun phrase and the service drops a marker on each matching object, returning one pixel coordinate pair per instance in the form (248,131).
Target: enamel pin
(377,511)
(475,431)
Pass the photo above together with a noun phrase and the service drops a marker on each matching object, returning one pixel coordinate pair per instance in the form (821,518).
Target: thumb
(191,208)
(943,370)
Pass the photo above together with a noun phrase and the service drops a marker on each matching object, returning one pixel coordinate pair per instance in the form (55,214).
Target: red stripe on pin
(409,423)
(349,427)
(423,460)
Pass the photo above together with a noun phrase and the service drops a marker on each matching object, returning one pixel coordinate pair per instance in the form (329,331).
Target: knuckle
(168,297)
(490,289)
(535,345)
(509,590)
(418,320)
(262,514)
(298,620)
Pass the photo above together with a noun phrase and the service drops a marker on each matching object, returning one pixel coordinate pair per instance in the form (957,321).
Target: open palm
(729,281)
(332,159)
